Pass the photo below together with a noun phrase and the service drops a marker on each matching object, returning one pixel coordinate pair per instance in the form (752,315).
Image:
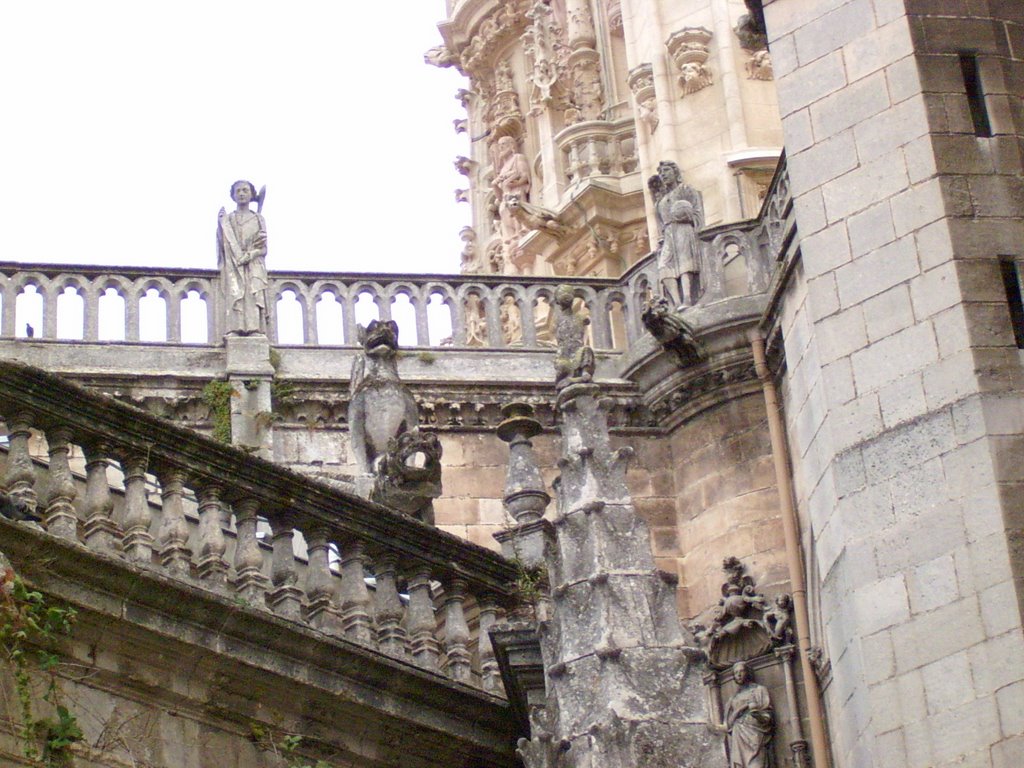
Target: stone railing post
(322,611)
(285,599)
(391,635)
(101,532)
(356,605)
(20,477)
(212,567)
(60,518)
(421,622)
(249,582)
(172,538)
(459,661)
(490,674)
(138,542)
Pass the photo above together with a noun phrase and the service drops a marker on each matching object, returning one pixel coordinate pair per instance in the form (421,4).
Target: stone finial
(525,496)
(689,49)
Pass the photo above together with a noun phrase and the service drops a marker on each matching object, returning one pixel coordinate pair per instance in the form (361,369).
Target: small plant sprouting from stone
(530,582)
(285,746)
(217,395)
(427,358)
(29,628)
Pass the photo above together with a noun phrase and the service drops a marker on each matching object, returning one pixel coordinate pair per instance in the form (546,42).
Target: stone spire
(613,634)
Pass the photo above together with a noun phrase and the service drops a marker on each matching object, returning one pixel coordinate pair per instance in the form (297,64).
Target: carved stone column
(138,542)
(249,582)
(20,477)
(321,596)
(212,567)
(456,632)
(285,599)
(421,623)
(391,635)
(489,673)
(175,554)
(584,61)
(100,531)
(60,518)
(356,605)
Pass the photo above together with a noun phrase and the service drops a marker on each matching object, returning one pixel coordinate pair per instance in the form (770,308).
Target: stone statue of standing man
(748,723)
(241,256)
(679,210)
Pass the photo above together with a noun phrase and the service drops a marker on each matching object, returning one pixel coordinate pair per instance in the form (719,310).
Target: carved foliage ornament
(689,49)
(545,57)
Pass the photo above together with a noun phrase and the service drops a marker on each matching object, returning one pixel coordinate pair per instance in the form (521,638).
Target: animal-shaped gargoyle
(384,428)
(671,331)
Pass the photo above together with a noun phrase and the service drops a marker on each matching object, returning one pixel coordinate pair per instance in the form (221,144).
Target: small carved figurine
(575,361)
(778,619)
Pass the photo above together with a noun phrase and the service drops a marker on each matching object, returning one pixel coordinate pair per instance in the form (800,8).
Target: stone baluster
(490,674)
(100,531)
(131,314)
(212,567)
(309,318)
(60,518)
(348,318)
(20,477)
(391,635)
(356,604)
(285,599)
(249,582)
(138,542)
(7,311)
(492,312)
(322,611)
(172,538)
(91,318)
(422,323)
(421,623)
(459,661)
(49,295)
(172,304)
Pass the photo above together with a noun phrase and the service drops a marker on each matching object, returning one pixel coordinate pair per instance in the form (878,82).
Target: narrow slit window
(1011,270)
(975,95)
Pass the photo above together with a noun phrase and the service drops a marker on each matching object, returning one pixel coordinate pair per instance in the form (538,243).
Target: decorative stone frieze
(689,49)
(641,83)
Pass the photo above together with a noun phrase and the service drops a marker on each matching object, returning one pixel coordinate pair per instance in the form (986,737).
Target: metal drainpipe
(794,558)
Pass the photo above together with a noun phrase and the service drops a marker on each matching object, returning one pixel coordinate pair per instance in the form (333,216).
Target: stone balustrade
(598,148)
(372,576)
(433,311)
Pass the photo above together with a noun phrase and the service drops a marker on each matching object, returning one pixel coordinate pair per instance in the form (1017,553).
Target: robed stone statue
(241,257)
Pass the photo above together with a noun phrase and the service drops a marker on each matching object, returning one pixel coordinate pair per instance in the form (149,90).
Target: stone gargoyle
(384,428)
(671,331)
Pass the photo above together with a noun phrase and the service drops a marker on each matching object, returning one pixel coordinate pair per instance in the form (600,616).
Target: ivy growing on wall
(29,629)
(217,396)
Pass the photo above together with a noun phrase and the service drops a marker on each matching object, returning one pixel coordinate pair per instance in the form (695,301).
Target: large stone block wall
(727,502)
(903,386)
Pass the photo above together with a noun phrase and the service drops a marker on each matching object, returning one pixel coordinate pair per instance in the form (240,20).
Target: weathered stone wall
(727,502)
(902,388)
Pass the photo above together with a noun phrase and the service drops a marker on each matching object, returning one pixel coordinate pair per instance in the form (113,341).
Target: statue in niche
(679,211)
(503,78)
(748,722)
(511,320)
(476,323)
(512,179)
(241,254)
(574,363)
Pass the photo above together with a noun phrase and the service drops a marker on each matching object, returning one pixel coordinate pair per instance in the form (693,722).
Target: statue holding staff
(241,254)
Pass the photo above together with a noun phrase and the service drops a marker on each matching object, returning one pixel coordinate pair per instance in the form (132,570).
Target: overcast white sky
(125,123)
